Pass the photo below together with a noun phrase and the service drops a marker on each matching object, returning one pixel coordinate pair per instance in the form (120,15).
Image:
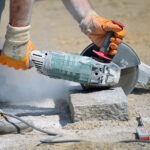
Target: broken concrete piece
(111,104)
(13,126)
(144,75)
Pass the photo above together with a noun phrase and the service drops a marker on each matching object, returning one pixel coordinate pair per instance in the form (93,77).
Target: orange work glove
(96,27)
(17,47)
(17,64)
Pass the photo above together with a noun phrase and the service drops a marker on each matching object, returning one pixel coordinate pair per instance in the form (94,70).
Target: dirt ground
(53,28)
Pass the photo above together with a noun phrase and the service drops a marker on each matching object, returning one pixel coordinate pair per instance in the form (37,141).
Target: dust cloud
(18,85)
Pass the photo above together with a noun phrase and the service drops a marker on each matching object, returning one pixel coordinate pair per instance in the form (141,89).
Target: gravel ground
(54,29)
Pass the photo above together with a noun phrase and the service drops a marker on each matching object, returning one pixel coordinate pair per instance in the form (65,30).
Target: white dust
(29,85)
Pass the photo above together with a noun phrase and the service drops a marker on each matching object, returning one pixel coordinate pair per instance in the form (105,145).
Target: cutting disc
(128,61)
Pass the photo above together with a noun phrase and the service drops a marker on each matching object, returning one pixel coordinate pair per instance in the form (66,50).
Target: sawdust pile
(89,125)
(83,125)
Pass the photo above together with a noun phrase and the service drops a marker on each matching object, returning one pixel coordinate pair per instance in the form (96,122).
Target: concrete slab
(111,104)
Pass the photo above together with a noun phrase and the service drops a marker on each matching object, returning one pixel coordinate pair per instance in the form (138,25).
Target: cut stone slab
(111,104)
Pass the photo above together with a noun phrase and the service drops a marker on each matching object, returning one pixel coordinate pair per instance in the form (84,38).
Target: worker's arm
(94,26)
(78,8)
(20,12)
(17,45)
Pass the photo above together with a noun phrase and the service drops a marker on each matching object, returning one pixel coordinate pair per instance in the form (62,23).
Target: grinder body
(75,68)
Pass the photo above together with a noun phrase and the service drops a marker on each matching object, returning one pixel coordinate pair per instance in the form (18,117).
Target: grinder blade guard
(126,59)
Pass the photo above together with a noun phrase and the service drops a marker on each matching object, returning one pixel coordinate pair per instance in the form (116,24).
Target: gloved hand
(96,27)
(17,48)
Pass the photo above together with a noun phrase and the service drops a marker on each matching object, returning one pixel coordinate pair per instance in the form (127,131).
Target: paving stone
(110,104)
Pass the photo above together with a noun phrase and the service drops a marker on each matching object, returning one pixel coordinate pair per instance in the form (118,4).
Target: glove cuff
(84,24)
(16,40)
(91,12)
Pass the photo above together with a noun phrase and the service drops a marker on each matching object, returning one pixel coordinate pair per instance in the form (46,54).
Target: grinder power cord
(53,140)
(47,140)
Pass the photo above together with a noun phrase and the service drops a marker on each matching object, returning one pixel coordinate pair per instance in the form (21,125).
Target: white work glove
(16,40)
(17,47)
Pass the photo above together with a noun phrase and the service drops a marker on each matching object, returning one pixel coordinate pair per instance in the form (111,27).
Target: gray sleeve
(2,6)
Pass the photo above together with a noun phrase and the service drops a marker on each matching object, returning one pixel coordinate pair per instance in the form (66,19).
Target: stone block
(110,104)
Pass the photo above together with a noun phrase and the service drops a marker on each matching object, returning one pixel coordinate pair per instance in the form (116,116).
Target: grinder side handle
(106,42)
